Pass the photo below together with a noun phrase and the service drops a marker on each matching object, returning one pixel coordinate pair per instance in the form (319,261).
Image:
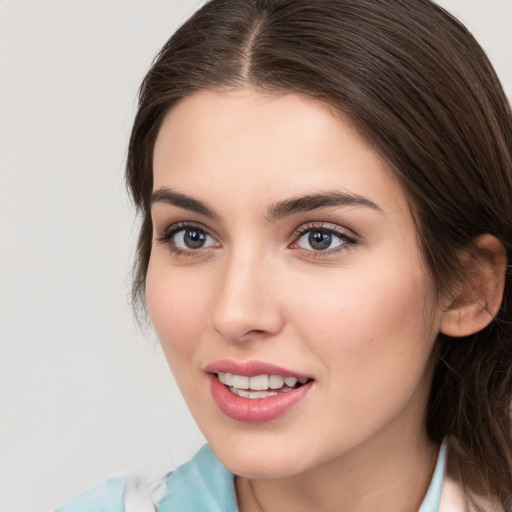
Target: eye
(192,238)
(187,238)
(322,239)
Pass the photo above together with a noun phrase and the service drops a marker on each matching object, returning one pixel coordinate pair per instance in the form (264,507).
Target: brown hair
(422,90)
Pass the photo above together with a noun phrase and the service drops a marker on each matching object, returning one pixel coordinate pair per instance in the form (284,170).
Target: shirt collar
(203,483)
(433,496)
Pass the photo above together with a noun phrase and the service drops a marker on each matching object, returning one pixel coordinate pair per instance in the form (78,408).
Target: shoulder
(453,499)
(202,483)
(472,496)
(118,494)
(107,496)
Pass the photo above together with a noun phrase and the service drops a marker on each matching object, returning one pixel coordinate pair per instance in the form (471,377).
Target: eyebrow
(315,201)
(168,196)
(276,211)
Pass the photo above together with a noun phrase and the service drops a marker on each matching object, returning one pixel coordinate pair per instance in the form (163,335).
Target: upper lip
(251,368)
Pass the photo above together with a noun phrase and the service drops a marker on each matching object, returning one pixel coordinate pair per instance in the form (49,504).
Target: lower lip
(255,410)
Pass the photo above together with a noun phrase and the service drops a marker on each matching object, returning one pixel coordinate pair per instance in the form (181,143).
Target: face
(284,248)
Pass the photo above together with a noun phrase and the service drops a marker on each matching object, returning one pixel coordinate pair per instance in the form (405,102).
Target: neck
(393,477)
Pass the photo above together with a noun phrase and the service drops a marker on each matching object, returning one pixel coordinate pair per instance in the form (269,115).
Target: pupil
(194,239)
(320,240)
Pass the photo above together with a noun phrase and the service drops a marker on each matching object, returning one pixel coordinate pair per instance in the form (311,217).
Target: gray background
(83,395)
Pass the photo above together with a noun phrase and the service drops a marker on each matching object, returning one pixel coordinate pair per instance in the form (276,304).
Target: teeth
(290,381)
(276,382)
(226,378)
(253,394)
(240,382)
(259,382)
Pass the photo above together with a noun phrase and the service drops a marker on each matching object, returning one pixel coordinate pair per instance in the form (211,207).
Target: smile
(256,391)
(259,386)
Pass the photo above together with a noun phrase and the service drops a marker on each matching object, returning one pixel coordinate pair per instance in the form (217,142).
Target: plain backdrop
(84,395)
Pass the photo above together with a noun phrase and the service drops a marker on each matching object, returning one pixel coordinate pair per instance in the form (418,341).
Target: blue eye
(323,239)
(187,239)
(192,238)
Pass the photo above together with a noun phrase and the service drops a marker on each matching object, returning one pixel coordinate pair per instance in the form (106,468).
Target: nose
(246,305)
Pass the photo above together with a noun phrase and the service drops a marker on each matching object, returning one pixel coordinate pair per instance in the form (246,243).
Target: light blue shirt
(203,484)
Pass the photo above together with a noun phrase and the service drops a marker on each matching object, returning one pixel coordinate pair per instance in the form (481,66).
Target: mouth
(254,391)
(260,386)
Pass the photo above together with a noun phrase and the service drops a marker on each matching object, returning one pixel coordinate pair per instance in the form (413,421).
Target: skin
(359,317)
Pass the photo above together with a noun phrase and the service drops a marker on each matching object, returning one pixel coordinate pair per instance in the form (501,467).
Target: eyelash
(347,240)
(171,231)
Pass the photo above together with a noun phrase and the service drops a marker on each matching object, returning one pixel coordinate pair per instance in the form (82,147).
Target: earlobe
(481,292)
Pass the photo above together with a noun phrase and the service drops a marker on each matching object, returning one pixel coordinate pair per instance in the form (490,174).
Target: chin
(264,458)
(258,467)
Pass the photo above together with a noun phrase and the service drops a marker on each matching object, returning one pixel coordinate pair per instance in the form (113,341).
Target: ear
(479,296)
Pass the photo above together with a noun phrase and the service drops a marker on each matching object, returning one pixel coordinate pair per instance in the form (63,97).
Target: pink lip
(253,410)
(250,368)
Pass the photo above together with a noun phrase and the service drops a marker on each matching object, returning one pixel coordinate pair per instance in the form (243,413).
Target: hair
(420,88)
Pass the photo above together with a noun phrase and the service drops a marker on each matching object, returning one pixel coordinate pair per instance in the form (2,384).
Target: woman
(326,224)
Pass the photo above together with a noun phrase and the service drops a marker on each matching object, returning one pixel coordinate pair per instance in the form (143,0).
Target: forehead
(220,142)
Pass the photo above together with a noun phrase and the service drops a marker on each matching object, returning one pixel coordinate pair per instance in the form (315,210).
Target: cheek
(177,307)
(372,338)
(362,321)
